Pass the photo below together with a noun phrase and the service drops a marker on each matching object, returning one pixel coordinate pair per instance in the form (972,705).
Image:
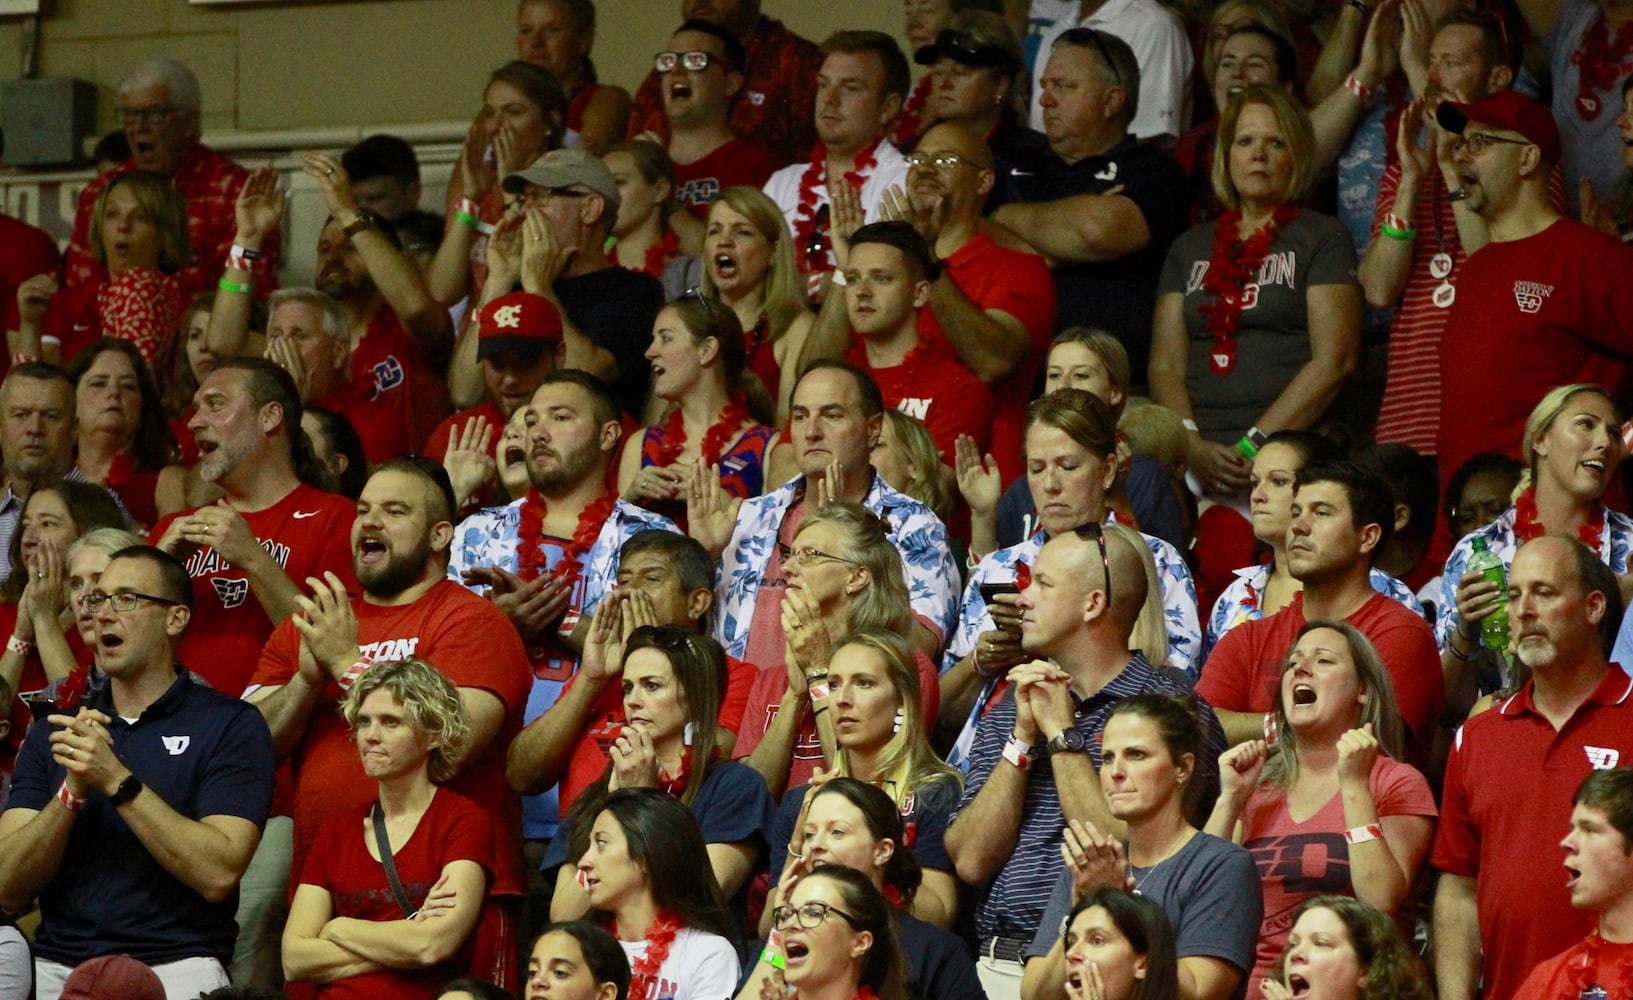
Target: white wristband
(1190,425)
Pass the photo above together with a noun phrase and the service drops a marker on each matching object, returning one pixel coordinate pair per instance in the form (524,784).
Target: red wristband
(69,800)
(1362,834)
(353,672)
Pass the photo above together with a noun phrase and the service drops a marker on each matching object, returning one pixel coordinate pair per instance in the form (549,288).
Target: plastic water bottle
(1494,629)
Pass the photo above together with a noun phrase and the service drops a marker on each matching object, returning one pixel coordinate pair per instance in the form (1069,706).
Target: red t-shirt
(437,445)
(933,387)
(475,646)
(996,277)
(307,532)
(392,399)
(1551,309)
(589,759)
(1298,860)
(453,829)
(1243,674)
(1592,962)
(737,162)
(765,699)
(1505,804)
(24,252)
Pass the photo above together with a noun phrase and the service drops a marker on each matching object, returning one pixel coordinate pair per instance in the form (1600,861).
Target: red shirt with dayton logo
(1530,314)
(394,399)
(308,532)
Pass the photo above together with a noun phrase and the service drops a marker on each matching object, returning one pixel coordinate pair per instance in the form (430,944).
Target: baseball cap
(1507,109)
(113,977)
(521,322)
(563,168)
(961,48)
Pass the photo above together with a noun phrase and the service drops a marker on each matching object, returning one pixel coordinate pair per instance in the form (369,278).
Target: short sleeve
(469,835)
(1228,673)
(1400,789)
(1176,266)
(740,678)
(1332,258)
(937,803)
(1457,847)
(712,970)
(734,806)
(238,779)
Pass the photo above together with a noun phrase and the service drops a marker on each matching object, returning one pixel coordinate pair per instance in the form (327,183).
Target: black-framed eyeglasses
(123,602)
(1090,38)
(810,915)
(157,114)
(1476,142)
(938,159)
(696,62)
(540,195)
(1095,531)
(805,555)
(669,638)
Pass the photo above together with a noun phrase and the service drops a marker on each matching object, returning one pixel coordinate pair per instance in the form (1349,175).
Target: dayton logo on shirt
(231,592)
(1602,758)
(1528,295)
(175,746)
(390,649)
(388,375)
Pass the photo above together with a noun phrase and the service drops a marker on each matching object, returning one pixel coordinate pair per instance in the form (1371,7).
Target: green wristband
(773,959)
(468,219)
(1246,448)
(234,286)
(1397,234)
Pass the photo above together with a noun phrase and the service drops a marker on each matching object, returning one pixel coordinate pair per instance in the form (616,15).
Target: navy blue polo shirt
(202,752)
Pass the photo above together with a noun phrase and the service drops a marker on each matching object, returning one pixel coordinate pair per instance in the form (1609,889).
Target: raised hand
(927,216)
(845,216)
(469,458)
(602,657)
(543,259)
(34,295)
(711,512)
(1416,157)
(328,625)
(1357,752)
(634,760)
(333,181)
(282,352)
(1094,859)
(474,170)
(259,210)
(979,481)
(1240,768)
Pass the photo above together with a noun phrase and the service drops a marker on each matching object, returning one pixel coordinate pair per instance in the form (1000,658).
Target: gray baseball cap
(563,168)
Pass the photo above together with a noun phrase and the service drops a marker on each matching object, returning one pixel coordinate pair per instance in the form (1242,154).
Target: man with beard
(547,559)
(1546,302)
(273,527)
(1420,236)
(1499,910)
(408,608)
(774,105)
(384,369)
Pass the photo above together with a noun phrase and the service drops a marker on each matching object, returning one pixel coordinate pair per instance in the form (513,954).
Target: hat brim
(532,348)
(983,57)
(1452,117)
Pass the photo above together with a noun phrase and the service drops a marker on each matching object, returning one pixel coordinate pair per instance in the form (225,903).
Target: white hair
(335,324)
(178,82)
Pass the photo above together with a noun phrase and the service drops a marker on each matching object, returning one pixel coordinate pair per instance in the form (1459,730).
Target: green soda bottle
(1494,629)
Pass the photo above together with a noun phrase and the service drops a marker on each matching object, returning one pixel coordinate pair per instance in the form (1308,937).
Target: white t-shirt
(890,168)
(700,966)
(1160,47)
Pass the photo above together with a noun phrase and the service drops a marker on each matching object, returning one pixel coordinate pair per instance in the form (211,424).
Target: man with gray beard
(1513,769)
(547,559)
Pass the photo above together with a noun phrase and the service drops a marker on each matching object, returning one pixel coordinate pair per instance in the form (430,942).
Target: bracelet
(467,218)
(818,690)
(22,647)
(1398,234)
(975,661)
(1190,425)
(1351,84)
(1246,448)
(241,287)
(353,672)
(1271,733)
(69,800)
(1018,753)
(773,959)
(20,358)
(242,258)
(1362,834)
(1451,647)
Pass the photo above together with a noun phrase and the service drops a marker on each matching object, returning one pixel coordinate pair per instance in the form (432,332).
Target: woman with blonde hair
(1237,374)
(844,576)
(1571,449)
(351,925)
(748,259)
(907,458)
(1337,762)
(873,730)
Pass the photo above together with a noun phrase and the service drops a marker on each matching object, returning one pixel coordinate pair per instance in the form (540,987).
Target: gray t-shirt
(1273,338)
(1210,891)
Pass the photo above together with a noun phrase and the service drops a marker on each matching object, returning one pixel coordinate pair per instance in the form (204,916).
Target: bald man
(1079,610)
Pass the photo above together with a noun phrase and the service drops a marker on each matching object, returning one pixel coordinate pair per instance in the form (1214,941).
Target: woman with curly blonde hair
(352,919)
(1342,947)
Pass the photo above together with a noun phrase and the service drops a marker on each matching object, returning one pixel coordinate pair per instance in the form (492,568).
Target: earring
(686,734)
(897,726)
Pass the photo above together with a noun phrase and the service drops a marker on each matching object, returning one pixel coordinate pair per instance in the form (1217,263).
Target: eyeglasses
(1095,531)
(805,555)
(1476,142)
(540,195)
(703,300)
(810,915)
(1090,38)
(158,114)
(696,62)
(939,159)
(123,602)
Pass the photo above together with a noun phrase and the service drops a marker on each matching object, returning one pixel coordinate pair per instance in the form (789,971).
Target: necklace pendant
(1440,265)
(1445,295)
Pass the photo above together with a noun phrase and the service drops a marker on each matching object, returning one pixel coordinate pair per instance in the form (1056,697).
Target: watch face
(1070,741)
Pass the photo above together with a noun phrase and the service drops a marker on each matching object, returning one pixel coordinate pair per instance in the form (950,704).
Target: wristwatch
(1068,741)
(127,790)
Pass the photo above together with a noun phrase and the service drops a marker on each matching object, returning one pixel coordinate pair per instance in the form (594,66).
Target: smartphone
(992,590)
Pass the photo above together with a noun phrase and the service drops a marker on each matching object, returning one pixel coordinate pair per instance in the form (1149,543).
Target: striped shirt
(1013,904)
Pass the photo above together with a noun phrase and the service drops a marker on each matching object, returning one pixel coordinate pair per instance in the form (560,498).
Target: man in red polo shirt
(887,274)
(1501,907)
(1342,515)
(399,548)
(518,344)
(246,552)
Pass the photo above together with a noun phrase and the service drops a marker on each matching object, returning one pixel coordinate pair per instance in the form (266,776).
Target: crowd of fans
(1135,514)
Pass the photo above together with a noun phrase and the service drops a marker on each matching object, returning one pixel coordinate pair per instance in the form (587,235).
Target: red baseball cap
(113,977)
(522,322)
(1507,109)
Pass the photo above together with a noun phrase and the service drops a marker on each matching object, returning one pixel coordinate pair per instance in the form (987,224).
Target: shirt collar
(1615,689)
(101,697)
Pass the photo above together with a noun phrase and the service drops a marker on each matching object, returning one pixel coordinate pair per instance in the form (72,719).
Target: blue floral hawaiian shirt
(920,537)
